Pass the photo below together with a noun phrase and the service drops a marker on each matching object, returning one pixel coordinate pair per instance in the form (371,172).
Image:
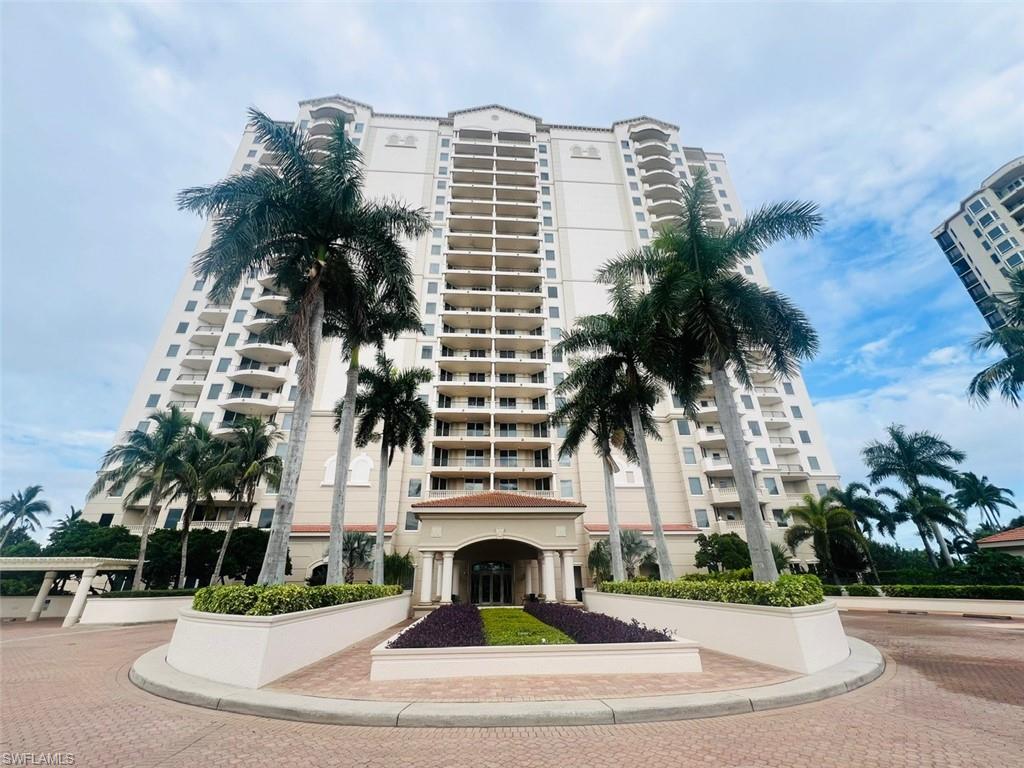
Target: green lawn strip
(513,626)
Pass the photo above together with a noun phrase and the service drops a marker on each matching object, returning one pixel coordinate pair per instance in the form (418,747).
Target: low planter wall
(805,639)
(504,660)
(1012,608)
(18,606)
(251,651)
(132,610)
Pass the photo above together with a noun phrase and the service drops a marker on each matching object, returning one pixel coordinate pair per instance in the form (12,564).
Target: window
(428,329)
(441,184)
(640,216)
(172,351)
(411,523)
(552,292)
(182,328)
(542,148)
(748,269)
(198,285)
(780,517)
(545,176)
(702,518)
(246,294)
(713,166)
(251,153)
(797,413)
(805,437)
(163,374)
(812,462)
(689,456)
(444,157)
(190,305)
(543,162)
(556,334)
(772,486)
(624,144)
(431,287)
(266,517)
(564,461)
(358,128)
(286,422)
(173,516)
(556,355)
(247,167)
(442,171)
(755,428)
(239,315)
(293,394)
(415,488)
(549,255)
(206,418)
(417,459)
(551,270)
(727,207)
(142,426)
(545,190)
(822,489)
(683,427)
(152,401)
(552,312)
(721,193)
(634,187)
(223,364)
(977,206)
(762,456)
(231,340)
(546,205)
(215,390)
(636,201)
(787,387)
(748,402)
(435,269)
(644,234)
(547,221)
(445,142)
(106,519)
(426,353)
(431,308)
(548,237)
(695,486)
(565,488)
(631,172)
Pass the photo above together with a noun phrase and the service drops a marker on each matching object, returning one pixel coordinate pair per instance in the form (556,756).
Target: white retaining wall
(133,610)
(1014,608)
(56,607)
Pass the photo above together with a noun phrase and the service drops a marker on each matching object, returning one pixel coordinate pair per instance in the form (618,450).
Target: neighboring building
(984,239)
(524,212)
(1011,542)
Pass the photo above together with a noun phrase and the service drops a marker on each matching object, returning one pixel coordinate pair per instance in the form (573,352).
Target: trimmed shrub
(285,598)
(514,626)
(741,574)
(831,590)
(861,590)
(150,593)
(789,591)
(957,591)
(593,628)
(449,626)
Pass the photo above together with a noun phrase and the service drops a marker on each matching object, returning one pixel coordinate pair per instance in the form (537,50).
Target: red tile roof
(325,528)
(1014,534)
(498,499)
(643,527)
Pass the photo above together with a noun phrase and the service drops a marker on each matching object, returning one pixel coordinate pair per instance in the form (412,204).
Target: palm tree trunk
(614,539)
(224,545)
(937,530)
(867,551)
(666,572)
(927,545)
(186,524)
(827,548)
(382,496)
(761,558)
(336,546)
(147,522)
(276,556)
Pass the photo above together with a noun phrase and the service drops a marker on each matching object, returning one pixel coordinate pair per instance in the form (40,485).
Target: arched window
(358,471)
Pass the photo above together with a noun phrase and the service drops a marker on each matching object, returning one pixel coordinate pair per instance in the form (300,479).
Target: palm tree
(65,522)
(199,473)
(634,552)
(250,460)
(928,510)
(1005,375)
(865,509)
(21,510)
(389,397)
(823,522)
(601,409)
(382,313)
(304,222)
(626,346)
(358,552)
(909,457)
(150,459)
(728,321)
(973,491)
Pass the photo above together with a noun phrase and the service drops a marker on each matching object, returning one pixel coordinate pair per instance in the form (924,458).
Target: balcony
(793,472)
(206,335)
(768,395)
(270,302)
(198,358)
(783,445)
(215,313)
(658,176)
(264,351)
(189,383)
(259,322)
(730,496)
(776,418)
(651,147)
(665,209)
(260,376)
(657,163)
(649,133)
(448,493)
(254,403)
(712,436)
(184,405)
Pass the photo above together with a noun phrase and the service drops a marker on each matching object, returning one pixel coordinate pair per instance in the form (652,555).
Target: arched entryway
(496,571)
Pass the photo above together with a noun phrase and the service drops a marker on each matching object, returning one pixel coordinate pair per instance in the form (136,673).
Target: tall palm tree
(388,397)
(150,459)
(824,523)
(729,322)
(383,312)
(250,460)
(305,222)
(865,510)
(198,474)
(358,552)
(929,512)
(977,492)
(626,345)
(910,457)
(21,510)
(65,522)
(634,551)
(1007,374)
(600,408)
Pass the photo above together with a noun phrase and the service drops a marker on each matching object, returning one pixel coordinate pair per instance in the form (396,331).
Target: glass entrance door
(491,583)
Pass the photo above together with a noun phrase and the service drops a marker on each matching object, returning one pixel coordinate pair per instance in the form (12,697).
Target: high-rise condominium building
(524,212)
(984,239)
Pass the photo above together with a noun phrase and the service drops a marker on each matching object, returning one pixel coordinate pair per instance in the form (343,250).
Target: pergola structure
(87,567)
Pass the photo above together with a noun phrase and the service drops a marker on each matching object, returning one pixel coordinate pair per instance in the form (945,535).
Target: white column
(446,577)
(426,577)
(529,577)
(78,604)
(549,576)
(568,577)
(40,601)
(437,576)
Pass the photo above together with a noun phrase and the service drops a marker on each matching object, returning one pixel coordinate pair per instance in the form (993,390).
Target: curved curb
(151,673)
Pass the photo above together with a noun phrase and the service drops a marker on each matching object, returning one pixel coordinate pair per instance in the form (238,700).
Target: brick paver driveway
(953,695)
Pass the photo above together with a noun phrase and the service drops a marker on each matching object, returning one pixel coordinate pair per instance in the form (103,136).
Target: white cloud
(945,356)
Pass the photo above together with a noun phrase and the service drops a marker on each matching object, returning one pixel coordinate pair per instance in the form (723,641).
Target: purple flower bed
(592,628)
(448,626)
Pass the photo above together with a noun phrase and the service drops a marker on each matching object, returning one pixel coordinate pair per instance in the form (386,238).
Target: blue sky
(885,115)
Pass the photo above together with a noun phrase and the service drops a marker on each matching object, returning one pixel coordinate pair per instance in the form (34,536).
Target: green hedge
(742,574)
(831,590)
(788,591)
(861,590)
(151,593)
(285,598)
(957,591)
